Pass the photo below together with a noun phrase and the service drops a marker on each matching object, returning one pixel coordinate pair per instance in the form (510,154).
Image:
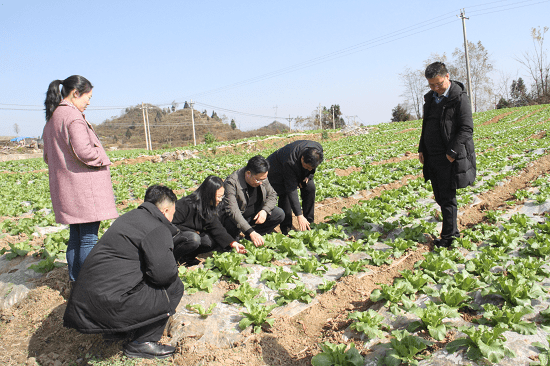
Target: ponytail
(54,96)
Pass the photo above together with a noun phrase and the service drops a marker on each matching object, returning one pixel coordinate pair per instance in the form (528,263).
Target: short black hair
(257,165)
(436,69)
(159,195)
(313,157)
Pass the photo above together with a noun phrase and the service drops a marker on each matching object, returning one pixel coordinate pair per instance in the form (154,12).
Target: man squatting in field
(249,205)
(446,147)
(128,286)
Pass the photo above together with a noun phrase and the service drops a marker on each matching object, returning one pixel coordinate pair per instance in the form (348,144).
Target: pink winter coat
(80,181)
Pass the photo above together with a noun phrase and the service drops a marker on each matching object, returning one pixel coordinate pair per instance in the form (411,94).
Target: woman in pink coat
(80,181)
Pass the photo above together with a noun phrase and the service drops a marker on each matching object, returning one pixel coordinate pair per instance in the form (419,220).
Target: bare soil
(32,331)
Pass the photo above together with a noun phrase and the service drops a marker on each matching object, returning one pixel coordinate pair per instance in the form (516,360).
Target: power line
(480,12)
(233,111)
(363,45)
(390,37)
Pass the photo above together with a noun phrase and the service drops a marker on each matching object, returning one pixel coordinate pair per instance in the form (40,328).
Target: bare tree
(480,68)
(537,64)
(16,129)
(225,119)
(434,57)
(306,122)
(502,89)
(415,87)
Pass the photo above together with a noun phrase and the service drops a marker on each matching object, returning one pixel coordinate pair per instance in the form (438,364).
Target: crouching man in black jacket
(129,281)
(292,167)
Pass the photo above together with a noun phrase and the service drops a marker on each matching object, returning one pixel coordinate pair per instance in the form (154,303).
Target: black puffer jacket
(457,127)
(286,171)
(130,278)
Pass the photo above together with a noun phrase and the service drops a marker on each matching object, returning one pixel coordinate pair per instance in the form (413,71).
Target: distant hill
(274,126)
(171,128)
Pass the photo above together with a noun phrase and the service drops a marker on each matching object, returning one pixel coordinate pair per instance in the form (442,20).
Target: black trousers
(190,244)
(270,223)
(441,176)
(307,193)
(153,332)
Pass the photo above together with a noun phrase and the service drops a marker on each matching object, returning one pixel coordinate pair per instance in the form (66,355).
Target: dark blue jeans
(82,239)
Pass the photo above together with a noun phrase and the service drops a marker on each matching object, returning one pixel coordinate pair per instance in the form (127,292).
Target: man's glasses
(437,85)
(258,180)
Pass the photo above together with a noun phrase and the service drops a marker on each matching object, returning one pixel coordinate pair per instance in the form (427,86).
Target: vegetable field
(364,286)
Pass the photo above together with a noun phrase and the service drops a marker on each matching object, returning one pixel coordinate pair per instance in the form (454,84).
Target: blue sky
(243,56)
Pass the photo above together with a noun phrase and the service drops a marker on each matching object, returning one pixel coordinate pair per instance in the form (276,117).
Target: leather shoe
(148,350)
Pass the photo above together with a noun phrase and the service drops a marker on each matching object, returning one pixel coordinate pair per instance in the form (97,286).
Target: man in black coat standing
(129,281)
(446,146)
(293,167)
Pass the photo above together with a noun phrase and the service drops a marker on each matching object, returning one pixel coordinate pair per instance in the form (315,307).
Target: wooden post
(145,127)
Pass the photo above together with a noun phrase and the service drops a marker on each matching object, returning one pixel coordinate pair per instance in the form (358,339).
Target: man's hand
(302,185)
(260,217)
(239,248)
(421,158)
(257,239)
(303,223)
(450,159)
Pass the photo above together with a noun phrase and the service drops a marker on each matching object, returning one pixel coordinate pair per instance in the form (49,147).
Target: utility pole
(148,130)
(289,119)
(463,17)
(333,123)
(145,127)
(276,106)
(193,122)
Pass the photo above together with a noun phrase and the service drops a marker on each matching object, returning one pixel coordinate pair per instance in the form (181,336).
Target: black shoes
(443,243)
(148,350)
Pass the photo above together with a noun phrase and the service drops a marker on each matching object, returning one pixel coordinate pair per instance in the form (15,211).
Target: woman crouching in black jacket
(196,216)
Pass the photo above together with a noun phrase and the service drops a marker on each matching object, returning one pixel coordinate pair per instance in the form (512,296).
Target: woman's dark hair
(313,157)
(257,165)
(436,69)
(54,96)
(158,195)
(204,197)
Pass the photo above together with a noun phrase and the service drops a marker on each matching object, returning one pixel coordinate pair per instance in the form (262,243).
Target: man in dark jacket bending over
(129,281)
(446,146)
(293,167)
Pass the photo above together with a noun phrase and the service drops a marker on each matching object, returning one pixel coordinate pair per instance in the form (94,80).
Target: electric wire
(390,37)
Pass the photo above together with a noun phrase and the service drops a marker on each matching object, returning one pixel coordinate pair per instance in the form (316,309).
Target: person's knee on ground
(186,243)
